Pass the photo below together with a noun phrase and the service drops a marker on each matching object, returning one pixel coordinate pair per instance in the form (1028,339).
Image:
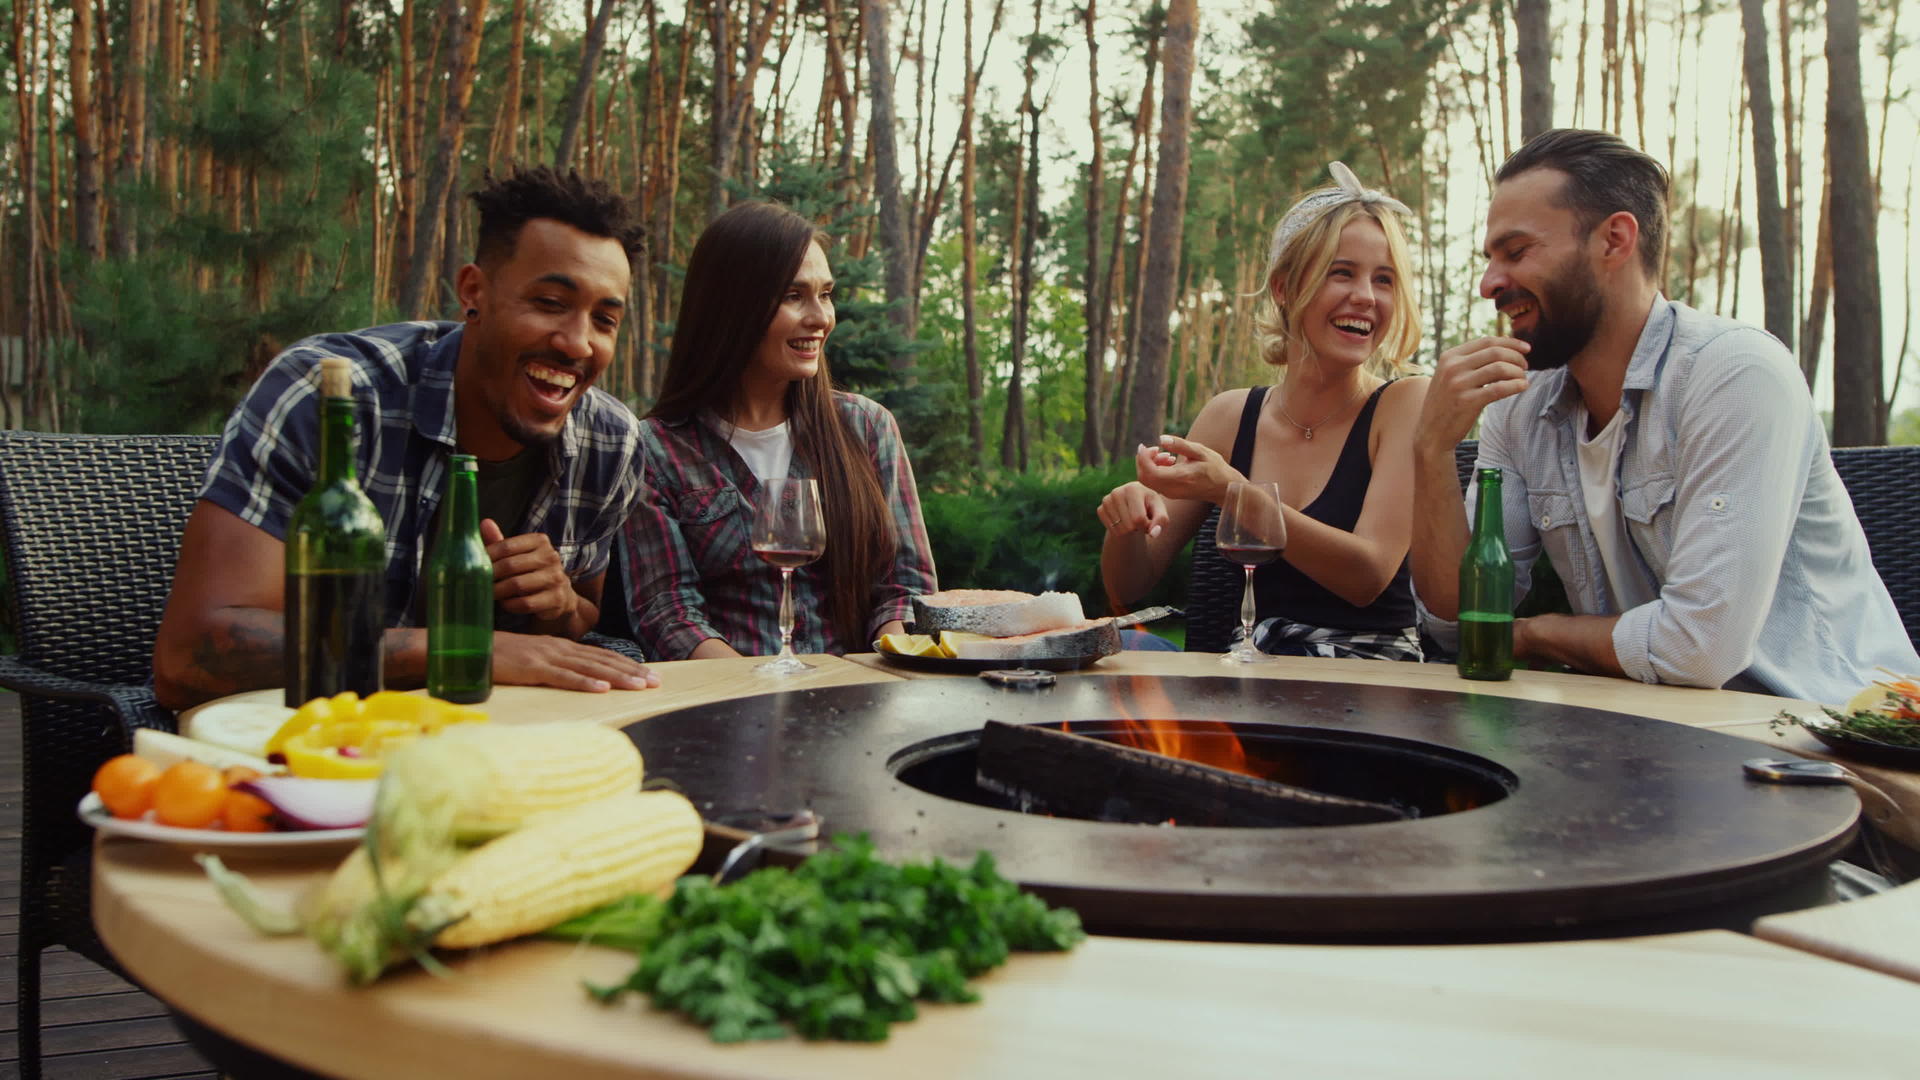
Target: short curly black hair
(592,206)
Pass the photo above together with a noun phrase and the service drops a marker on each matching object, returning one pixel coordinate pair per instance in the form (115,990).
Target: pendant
(1309,432)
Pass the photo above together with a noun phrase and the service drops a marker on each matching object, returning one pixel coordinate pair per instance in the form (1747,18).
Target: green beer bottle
(460,594)
(336,564)
(1486,590)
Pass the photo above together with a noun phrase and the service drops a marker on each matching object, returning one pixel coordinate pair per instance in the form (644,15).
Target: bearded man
(511,384)
(1669,462)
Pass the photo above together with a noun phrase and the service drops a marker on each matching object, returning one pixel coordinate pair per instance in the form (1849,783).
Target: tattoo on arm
(244,651)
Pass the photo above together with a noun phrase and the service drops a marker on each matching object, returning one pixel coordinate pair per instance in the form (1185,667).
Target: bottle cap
(336,376)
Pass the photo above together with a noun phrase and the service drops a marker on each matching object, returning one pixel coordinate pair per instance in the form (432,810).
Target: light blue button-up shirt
(1732,507)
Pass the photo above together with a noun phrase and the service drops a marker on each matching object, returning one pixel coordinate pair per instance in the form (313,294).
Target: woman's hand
(1133,508)
(1183,469)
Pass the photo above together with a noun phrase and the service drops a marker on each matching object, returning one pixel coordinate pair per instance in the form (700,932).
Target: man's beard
(1568,313)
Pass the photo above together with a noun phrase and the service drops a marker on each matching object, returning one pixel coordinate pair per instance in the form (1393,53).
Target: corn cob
(490,778)
(557,866)
(560,865)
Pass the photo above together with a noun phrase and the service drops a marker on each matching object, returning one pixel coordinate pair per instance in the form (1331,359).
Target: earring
(473,313)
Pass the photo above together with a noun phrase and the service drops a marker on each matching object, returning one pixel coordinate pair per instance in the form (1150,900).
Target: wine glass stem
(786,611)
(1246,611)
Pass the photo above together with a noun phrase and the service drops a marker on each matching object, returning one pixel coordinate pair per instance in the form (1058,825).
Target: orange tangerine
(125,785)
(189,794)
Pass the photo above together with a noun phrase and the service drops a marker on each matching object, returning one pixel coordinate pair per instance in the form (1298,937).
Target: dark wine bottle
(336,563)
(460,594)
(1486,590)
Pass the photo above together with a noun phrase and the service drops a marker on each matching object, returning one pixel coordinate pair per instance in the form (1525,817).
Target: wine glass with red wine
(1252,532)
(789,532)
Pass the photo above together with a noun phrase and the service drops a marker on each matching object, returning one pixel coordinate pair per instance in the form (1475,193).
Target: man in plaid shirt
(511,384)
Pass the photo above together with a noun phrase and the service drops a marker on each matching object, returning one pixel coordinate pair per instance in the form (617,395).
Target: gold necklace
(1307,429)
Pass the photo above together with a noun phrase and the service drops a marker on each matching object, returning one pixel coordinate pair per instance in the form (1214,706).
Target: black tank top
(1278,588)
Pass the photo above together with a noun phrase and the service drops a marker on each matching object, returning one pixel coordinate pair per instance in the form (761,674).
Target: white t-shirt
(767,453)
(1599,464)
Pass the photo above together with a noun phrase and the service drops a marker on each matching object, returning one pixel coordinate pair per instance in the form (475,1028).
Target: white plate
(255,843)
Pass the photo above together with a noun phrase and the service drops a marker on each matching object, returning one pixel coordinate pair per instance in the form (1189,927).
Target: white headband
(1308,210)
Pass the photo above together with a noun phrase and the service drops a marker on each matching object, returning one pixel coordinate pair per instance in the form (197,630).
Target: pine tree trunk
(1776,272)
(670,170)
(719,132)
(1819,284)
(590,49)
(1858,405)
(894,226)
(509,134)
(1790,127)
(406,195)
(969,256)
(1025,195)
(1609,63)
(1142,120)
(133,109)
(1499,54)
(166,173)
(461,44)
(1149,400)
(1535,53)
(86,148)
(1091,388)
(32,388)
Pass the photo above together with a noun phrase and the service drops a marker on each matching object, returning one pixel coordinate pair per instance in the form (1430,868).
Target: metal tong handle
(1877,805)
(748,854)
(1146,615)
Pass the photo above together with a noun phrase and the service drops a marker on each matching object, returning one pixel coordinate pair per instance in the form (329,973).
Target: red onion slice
(303,803)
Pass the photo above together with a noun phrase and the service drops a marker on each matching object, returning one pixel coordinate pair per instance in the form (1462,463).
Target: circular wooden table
(1803,1001)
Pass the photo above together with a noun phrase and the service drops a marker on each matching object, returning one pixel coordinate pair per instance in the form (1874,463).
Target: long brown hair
(740,268)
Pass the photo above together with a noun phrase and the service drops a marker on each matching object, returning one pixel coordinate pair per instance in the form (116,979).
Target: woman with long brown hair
(747,398)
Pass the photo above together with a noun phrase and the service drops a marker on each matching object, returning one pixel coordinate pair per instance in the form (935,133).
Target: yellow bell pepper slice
(309,757)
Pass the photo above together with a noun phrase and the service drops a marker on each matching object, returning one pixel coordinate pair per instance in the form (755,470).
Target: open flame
(1206,742)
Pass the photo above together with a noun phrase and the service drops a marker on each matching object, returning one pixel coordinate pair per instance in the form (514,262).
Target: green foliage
(1905,429)
(1033,531)
(839,948)
(174,335)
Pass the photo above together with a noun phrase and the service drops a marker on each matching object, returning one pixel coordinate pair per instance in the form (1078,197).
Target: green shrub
(1032,531)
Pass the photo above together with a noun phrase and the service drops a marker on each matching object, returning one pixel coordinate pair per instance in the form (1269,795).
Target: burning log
(1055,772)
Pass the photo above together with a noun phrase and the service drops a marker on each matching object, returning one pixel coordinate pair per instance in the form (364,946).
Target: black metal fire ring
(1614,817)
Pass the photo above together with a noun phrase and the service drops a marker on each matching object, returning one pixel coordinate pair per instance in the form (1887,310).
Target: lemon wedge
(950,638)
(910,645)
(1872,699)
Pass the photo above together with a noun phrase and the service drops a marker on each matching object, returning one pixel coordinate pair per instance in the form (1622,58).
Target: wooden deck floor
(94,1026)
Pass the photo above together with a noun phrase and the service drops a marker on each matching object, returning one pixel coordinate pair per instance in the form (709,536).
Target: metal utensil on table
(1147,615)
(1882,814)
(775,830)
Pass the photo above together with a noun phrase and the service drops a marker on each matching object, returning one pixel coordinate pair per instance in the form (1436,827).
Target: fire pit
(1522,819)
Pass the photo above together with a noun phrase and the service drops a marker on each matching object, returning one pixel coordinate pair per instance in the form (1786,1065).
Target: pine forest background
(1048,213)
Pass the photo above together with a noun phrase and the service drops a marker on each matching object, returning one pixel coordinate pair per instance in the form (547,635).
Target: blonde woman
(1339,320)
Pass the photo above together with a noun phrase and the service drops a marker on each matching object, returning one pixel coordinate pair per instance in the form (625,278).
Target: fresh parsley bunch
(839,948)
(1869,724)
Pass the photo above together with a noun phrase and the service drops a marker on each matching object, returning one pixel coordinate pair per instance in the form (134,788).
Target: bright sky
(1708,85)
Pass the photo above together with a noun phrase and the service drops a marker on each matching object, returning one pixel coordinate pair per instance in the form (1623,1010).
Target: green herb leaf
(840,948)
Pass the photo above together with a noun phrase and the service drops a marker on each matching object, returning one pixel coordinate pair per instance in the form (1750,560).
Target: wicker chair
(92,529)
(1881,480)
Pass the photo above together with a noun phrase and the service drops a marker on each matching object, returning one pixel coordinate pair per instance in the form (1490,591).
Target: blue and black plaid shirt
(403,393)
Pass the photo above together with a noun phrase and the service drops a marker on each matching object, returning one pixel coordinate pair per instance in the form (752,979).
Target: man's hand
(528,576)
(1183,469)
(1133,507)
(543,660)
(1467,379)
